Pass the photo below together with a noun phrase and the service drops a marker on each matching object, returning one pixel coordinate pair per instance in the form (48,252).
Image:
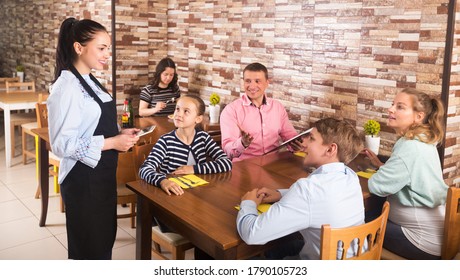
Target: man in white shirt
(329,195)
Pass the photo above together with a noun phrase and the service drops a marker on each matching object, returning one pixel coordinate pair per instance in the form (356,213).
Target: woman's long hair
(71,31)
(431,130)
(161,67)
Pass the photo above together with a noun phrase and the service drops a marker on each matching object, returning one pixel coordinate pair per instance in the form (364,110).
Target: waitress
(84,134)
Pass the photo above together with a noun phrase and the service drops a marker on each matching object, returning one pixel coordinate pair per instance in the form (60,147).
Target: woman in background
(84,134)
(412,179)
(159,98)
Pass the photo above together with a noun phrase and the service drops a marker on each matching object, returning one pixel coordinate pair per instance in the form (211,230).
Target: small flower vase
(21,76)
(214,112)
(373,143)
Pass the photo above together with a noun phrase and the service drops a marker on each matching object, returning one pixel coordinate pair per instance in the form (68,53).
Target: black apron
(90,194)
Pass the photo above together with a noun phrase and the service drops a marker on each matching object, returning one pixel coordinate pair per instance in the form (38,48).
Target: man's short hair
(256,67)
(349,141)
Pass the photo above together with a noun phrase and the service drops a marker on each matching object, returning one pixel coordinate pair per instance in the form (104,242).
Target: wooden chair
(172,242)
(20,86)
(451,239)
(3,81)
(451,242)
(214,131)
(27,130)
(54,161)
(126,172)
(372,232)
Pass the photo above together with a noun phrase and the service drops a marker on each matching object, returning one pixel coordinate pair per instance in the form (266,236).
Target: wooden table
(15,101)
(206,215)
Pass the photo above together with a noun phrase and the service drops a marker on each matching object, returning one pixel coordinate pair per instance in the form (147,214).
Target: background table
(15,101)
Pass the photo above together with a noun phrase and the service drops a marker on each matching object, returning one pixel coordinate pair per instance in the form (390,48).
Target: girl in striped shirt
(184,150)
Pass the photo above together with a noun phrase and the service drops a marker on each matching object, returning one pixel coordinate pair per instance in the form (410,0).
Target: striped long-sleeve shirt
(169,153)
(153,95)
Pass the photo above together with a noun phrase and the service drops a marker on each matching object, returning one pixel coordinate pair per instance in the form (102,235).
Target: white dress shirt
(330,195)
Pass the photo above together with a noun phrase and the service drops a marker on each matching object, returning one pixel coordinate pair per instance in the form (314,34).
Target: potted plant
(20,72)
(372,140)
(214,108)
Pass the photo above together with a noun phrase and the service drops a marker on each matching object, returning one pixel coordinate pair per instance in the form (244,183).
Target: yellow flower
(214,99)
(372,127)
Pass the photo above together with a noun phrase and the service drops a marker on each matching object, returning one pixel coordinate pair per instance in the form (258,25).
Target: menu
(290,140)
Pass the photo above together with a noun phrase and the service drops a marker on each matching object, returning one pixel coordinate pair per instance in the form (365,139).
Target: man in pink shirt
(254,124)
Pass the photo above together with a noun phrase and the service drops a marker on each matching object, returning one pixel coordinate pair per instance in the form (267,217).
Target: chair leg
(13,144)
(55,179)
(133,213)
(24,147)
(178,254)
(37,160)
(62,204)
(37,193)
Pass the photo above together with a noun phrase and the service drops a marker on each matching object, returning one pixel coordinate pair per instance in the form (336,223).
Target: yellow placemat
(262,208)
(300,154)
(188,181)
(366,174)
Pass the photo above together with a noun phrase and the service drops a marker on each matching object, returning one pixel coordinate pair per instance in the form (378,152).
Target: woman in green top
(412,179)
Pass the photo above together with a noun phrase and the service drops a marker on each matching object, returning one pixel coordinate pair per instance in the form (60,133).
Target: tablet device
(146,130)
(290,140)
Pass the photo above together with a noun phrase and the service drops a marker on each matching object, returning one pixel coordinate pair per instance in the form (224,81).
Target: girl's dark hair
(431,130)
(161,67)
(198,102)
(71,31)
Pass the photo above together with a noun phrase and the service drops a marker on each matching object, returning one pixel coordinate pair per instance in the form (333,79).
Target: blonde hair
(347,138)
(431,130)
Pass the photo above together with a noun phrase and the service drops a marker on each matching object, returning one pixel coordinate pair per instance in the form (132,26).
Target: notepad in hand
(146,130)
(290,140)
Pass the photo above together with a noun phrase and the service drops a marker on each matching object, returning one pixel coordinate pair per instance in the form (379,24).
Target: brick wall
(344,58)
(29,31)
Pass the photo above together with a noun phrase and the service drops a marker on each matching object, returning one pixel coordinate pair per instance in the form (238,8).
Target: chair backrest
(214,131)
(3,81)
(141,152)
(42,114)
(20,87)
(371,233)
(126,170)
(451,242)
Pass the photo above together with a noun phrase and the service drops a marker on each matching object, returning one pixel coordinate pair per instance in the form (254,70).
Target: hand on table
(185,169)
(269,195)
(169,187)
(254,196)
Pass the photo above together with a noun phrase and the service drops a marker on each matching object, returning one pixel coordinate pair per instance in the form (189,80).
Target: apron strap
(87,87)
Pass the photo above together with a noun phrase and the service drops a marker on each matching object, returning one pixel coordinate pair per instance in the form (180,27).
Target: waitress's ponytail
(65,53)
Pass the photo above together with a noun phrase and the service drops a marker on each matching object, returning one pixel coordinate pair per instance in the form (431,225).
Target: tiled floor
(20,236)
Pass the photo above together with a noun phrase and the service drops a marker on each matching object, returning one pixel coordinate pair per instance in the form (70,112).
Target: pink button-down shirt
(269,125)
